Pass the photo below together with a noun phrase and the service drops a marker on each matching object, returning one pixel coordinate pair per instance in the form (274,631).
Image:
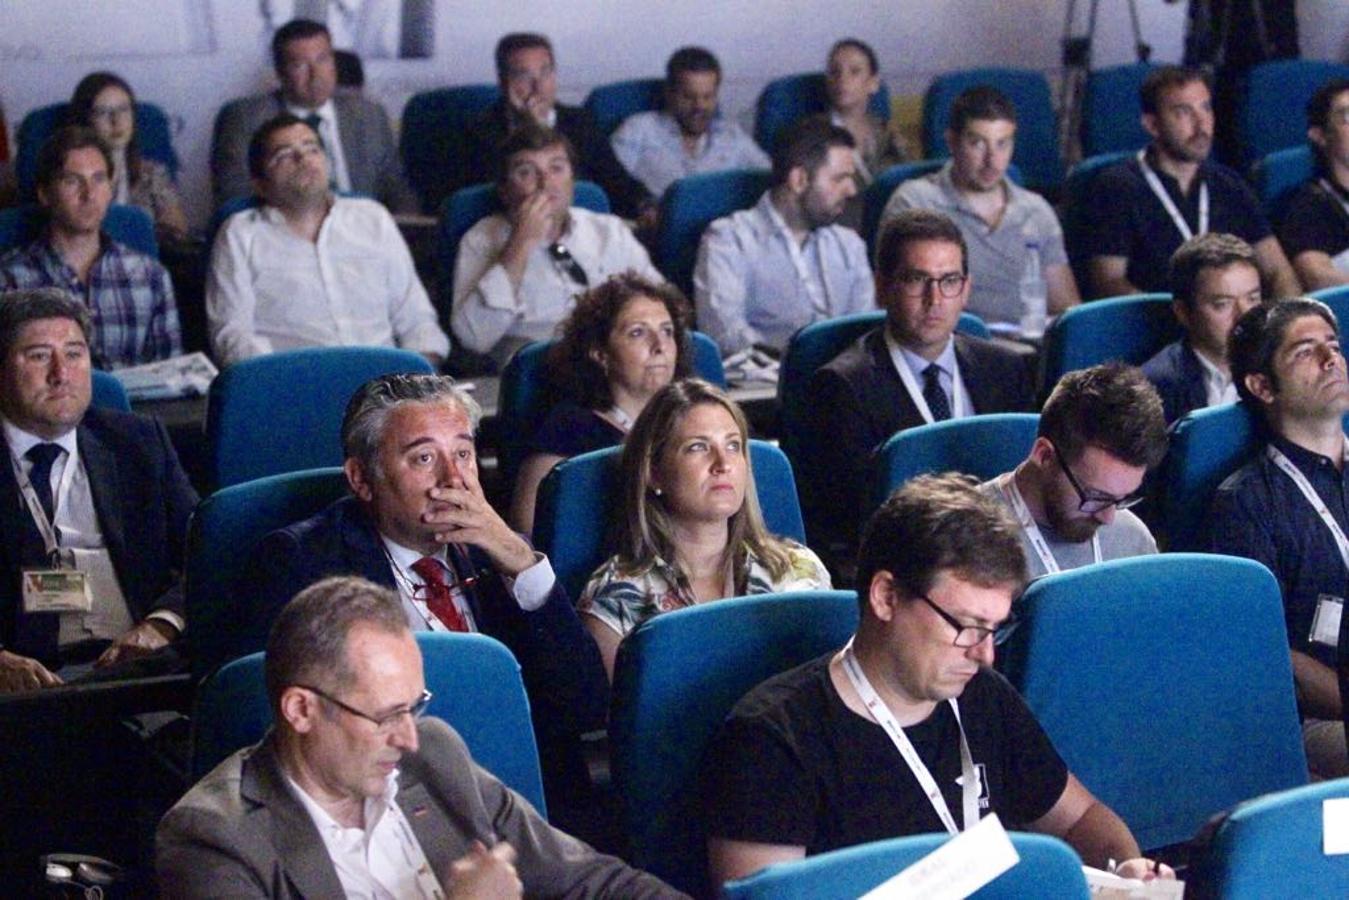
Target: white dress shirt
(270,289)
(1219,388)
(651,147)
(754,284)
(332,141)
(948,375)
(489,311)
(382,861)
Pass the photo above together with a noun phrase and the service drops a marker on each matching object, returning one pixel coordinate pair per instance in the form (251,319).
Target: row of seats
(1166,730)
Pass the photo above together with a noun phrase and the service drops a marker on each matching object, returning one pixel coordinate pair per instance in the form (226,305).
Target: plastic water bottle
(1034,294)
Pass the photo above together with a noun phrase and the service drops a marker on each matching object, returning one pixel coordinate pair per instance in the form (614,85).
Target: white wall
(191,55)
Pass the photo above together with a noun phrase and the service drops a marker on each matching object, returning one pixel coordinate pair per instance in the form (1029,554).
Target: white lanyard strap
(1283,462)
(969,789)
(1334,195)
(45,526)
(818,301)
(1007,484)
(1169,205)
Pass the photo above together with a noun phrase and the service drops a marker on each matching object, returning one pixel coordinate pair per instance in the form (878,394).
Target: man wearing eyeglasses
(307,268)
(1100,432)
(907,729)
(353,794)
(913,370)
(518,271)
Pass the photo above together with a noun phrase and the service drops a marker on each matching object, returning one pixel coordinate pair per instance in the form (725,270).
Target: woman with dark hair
(692,531)
(105,102)
(851,76)
(624,340)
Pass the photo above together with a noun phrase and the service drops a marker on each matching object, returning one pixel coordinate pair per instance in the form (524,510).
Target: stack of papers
(750,365)
(168,379)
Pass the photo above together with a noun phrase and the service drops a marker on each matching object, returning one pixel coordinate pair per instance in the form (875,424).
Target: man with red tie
(417,521)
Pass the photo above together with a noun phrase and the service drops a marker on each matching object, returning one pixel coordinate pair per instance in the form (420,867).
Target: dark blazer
(559,661)
(367,146)
(858,401)
(1178,376)
(241,832)
(595,160)
(143,501)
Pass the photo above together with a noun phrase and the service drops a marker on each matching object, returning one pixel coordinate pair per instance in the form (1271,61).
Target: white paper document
(180,376)
(1335,826)
(1109,886)
(956,869)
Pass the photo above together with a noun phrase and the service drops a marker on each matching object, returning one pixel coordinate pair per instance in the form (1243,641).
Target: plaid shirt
(129,296)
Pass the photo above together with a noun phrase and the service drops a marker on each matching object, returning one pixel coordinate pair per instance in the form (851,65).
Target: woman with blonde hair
(692,531)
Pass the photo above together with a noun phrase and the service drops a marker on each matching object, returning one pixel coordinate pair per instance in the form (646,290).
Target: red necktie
(438,597)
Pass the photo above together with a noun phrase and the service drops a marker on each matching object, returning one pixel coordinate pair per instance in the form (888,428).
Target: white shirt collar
(405,557)
(946,360)
(20,441)
(1218,385)
(374,806)
(327,112)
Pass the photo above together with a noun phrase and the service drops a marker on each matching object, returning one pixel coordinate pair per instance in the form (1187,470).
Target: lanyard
(1334,195)
(1007,484)
(50,539)
(960,407)
(1283,462)
(1169,205)
(820,302)
(969,789)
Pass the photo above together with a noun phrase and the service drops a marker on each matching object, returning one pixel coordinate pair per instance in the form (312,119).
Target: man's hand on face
(20,673)
(463,516)
(532,220)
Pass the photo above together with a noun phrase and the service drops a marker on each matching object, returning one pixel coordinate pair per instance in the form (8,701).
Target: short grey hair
(18,308)
(369,409)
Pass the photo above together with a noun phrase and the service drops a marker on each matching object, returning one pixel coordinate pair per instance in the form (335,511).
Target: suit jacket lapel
(892,403)
(362,546)
(1192,378)
(101,465)
(439,841)
(983,394)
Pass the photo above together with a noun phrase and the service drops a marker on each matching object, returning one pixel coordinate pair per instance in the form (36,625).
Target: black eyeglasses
(562,256)
(968,636)
(1094,502)
(915,284)
(384,723)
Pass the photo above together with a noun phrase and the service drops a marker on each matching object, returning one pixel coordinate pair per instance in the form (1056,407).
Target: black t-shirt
(1314,220)
(793,765)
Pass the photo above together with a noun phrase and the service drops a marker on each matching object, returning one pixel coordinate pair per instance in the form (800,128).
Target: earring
(658,491)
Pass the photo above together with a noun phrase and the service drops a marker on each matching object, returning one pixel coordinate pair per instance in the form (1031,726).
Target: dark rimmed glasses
(915,284)
(968,636)
(384,723)
(1094,502)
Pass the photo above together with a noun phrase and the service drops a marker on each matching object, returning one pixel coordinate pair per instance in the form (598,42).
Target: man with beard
(1003,223)
(1143,209)
(689,136)
(309,269)
(1101,430)
(1286,508)
(764,272)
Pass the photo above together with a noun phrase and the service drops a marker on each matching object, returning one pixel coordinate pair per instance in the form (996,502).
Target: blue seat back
(665,711)
(1164,723)
(524,398)
(221,535)
(1337,298)
(466,206)
(1270,116)
(1037,144)
(1278,174)
(431,141)
(1077,204)
(791,97)
(1112,109)
(1206,446)
(581,500)
(610,104)
(128,225)
(690,205)
(1272,846)
(812,347)
(476,687)
(1130,329)
(1047,868)
(152,128)
(245,436)
(982,446)
(107,392)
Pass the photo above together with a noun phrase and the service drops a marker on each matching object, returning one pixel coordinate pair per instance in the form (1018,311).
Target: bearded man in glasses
(1101,431)
(351,795)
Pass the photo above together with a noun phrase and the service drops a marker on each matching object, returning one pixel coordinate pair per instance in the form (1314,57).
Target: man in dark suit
(1214,279)
(357,138)
(344,680)
(418,523)
(526,71)
(102,489)
(913,370)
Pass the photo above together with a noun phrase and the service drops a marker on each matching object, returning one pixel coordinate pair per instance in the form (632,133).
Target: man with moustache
(1003,223)
(1100,432)
(1286,508)
(1143,209)
(764,272)
(307,268)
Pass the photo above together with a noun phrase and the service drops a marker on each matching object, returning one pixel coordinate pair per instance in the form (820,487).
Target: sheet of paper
(1108,886)
(956,869)
(1335,826)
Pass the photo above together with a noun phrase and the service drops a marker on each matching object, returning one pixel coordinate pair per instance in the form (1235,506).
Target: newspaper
(169,379)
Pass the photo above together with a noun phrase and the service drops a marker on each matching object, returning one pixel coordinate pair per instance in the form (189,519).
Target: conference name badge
(56,590)
(1326,620)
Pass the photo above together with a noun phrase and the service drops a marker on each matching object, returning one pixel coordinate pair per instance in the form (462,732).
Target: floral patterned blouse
(623,600)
